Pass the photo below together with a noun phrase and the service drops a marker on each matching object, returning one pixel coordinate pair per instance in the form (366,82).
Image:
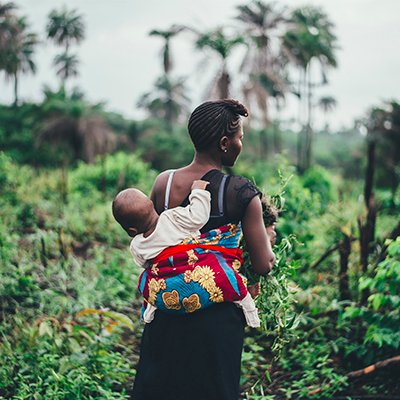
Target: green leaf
(45,329)
(268,376)
(122,318)
(377,300)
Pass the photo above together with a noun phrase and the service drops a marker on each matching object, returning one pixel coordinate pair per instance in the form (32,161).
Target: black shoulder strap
(221,193)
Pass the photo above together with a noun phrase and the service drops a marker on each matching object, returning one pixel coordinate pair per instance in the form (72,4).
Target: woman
(197,356)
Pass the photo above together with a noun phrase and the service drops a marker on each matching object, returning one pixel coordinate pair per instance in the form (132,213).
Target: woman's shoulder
(158,191)
(162,178)
(242,189)
(241,182)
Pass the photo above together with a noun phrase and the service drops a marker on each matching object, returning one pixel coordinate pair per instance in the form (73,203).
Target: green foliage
(69,319)
(111,174)
(276,300)
(318,181)
(381,318)
(159,148)
(68,284)
(17,135)
(65,359)
(65,298)
(315,375)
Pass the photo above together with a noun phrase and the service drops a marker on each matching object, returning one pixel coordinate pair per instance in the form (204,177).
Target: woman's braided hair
(214,119)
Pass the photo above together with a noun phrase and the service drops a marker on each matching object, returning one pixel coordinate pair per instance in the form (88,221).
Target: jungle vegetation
(69,309)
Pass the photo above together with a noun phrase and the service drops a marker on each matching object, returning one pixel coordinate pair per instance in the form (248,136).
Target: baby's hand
(254,290)
(271,233)
(199,184)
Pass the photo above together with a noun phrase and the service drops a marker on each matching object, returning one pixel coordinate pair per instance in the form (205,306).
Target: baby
(270,217)
(152,233)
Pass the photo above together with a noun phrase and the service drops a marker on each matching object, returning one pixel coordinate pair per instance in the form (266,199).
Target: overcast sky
(119,61)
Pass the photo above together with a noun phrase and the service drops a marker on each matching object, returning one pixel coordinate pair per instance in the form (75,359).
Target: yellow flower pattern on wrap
(191,303)
(171,300)
(154,287)
(192,258)
(204,276)
(192,278)
(236,264)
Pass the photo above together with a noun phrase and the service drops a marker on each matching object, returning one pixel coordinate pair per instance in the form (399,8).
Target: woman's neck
(206,161)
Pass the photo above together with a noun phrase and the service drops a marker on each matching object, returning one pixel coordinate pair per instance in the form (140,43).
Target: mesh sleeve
(240,192)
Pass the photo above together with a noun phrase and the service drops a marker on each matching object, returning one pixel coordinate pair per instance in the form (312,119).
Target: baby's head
(270,216)
(134,211)
(270,212)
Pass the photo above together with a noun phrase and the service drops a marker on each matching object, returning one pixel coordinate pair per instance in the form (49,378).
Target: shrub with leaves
(381,317)
(275,302)
(65,359)
(112,173)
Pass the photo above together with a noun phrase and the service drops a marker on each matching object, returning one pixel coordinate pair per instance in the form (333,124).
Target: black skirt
(191,357)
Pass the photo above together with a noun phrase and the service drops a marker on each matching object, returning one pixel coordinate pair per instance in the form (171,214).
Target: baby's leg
(148,315)
(249,310)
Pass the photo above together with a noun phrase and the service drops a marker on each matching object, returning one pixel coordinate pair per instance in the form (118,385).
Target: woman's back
(230,195)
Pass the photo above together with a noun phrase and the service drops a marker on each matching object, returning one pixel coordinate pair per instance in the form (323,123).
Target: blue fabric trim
(142,281)
(228,271)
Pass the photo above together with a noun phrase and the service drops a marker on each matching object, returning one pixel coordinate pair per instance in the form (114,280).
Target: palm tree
(166,51)
(6,8)
(18,55)
(222,45)
(7,26)
(67,66)
(168,101)
(276,92)
(327,104)
(262,24)
(64,28)
(8,31)
(309,39)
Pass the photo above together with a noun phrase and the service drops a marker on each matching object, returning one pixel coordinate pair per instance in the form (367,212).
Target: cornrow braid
(214,119)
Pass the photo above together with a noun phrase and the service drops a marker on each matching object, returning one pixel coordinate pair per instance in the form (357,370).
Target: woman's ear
(223,143)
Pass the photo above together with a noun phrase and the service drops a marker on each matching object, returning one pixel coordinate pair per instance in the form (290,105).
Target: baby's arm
(196,214)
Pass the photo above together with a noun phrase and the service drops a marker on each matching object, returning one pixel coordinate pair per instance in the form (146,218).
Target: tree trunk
(169,113)
(15,89)
(344,252)
(367,229)
(262,104)
(300,140)
(308,132)
(300,162)
(223,84)
(370,172)
(277,138)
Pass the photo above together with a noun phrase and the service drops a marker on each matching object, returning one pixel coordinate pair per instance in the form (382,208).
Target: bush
(319,181)
(112,173)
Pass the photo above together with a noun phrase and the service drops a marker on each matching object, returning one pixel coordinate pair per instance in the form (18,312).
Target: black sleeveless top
(230,196)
